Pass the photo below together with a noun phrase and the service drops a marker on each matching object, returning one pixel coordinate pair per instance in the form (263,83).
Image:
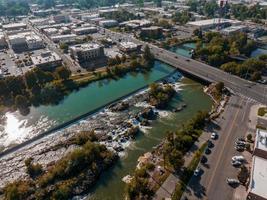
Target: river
(110,185)
(19,128)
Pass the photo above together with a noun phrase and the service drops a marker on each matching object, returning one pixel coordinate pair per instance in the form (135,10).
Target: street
(211,184)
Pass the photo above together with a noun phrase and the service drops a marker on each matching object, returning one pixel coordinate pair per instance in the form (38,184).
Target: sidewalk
(167,188)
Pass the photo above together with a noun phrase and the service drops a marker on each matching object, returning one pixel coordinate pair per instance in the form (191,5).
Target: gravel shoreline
(110,126)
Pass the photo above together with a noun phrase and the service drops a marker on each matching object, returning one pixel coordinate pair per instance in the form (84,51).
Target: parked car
(240,143)
(239,148)
(236,163)
(203,159)
(210,144)
(207,151)
(213,135)
(197,171)
(238,158)
(232,181)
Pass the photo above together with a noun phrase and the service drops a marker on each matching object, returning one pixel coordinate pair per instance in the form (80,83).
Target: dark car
(203,159)
(207,151)
(210,144)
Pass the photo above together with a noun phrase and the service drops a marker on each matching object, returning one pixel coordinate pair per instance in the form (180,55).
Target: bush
(249,137)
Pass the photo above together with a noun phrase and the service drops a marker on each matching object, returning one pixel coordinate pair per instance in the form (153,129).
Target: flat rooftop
(85,47)
(261,140)
(14,25)
(211,21)
(259,177)
(128,44)
(45,57)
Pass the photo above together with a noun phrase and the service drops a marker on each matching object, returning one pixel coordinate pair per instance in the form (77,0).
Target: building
(136,23)
(213,23)
(18,41)
(86,52)
(108,23)
(128,47)
(233,29)
(258,180)
(63,38)
(3,42)
(40,22)
(34,42)
(47,60)
(104,12)
(50,31)
(84,30)
(151,32)
(64,30)
(96,20)
(14,26)
(61,18)
(87,17)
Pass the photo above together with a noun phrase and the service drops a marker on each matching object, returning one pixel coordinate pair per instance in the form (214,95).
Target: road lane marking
(222,151)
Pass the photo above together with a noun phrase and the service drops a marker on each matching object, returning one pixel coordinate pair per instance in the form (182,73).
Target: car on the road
(238,158)
(187,60)
(197,171)
(213,135)
(232,181)
(236,163)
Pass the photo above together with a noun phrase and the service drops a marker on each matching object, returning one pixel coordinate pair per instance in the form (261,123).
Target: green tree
(63,73)
(21,102)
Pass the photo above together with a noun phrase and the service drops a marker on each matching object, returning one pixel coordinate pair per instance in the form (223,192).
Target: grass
(262,111)
(186,176)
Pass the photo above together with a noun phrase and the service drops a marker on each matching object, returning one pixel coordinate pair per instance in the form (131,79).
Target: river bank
(111,127)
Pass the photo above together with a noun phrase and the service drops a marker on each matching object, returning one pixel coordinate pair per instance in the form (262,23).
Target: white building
(34,42)
(14,26)
(234,29)
(47,60)
(128,47)
(17,40)
(88,17)
(86,52)
(40,22)
(63,38)
(258,180)
(108,23)
(50,31)
(85,30)
(212,23)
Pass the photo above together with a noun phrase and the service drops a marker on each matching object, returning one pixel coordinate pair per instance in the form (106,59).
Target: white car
(238,158)
(213,135)
(196,172)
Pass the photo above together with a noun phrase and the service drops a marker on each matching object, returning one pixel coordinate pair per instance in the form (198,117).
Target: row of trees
(13,7)
(160,95)
(180,142)
(35,87)
(220,51)
(61,180)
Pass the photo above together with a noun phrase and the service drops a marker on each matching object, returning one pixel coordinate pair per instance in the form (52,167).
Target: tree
(176,159)
(249,137)
(30,78)
(21,102)
(63,73)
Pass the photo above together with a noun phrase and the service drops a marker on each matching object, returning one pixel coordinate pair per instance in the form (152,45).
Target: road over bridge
(200,70)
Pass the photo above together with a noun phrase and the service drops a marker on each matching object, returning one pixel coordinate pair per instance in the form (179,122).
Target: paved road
(231,125)
(201,70)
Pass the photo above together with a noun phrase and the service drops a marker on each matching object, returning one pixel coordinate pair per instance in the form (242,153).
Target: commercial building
(136,23)
(108,23)
(3,42)
(25,41)
(61,18)
(107,11)
(86,52)
(258,180)
(152,32)
(213,23)
(50,31)
(64,30)
(34,42)
(63,38)
(88,17)
(234,29)
(84,30)
(14,26)
(47,60)
(128,47)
